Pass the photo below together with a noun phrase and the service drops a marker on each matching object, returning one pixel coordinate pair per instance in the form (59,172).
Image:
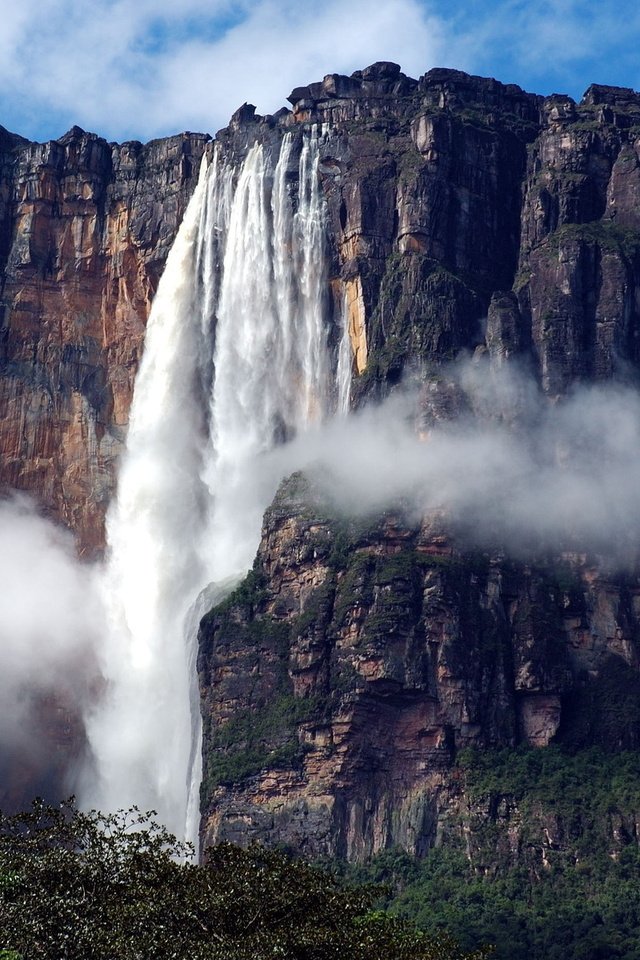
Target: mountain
(341,681)
(344,677)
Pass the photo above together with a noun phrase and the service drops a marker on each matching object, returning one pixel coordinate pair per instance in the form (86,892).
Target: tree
(90,886)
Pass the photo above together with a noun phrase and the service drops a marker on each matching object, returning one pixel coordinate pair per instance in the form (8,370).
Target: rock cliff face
(450,199)
(85,229)
(454,198)
(339,682)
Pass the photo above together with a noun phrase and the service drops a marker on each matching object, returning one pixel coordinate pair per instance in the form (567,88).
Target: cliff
(342,679)
(85,228)
(454,198)
(450,199)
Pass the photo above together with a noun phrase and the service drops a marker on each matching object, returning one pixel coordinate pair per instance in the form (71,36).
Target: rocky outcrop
(445,193)
(342,679)
(85,229)
(580,252)
(423,185)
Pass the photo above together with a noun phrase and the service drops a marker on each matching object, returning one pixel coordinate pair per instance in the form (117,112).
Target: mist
(49,620)
(508,466)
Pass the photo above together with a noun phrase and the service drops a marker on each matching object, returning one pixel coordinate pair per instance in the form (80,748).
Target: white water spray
(236,359)
(143,725)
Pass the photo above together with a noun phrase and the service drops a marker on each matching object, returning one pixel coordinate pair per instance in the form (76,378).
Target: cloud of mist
(49,619)
(513,470)
(507,468)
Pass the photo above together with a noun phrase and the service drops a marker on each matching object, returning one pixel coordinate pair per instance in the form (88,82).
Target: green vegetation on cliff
(610,237)
(550,864)
(252,741)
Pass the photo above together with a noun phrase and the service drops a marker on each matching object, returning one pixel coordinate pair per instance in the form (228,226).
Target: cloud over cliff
(512,469)
(509,469)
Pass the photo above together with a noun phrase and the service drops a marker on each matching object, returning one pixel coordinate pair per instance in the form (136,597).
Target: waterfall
(141,730)
(236,360)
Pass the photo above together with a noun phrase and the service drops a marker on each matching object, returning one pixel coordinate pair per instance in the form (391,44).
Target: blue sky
(144,68)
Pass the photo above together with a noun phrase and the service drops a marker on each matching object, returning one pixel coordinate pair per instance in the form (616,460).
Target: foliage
(88,886)
(572,896)
(249,593)
(586,911)
(588,779)
(610,237)
(253,740)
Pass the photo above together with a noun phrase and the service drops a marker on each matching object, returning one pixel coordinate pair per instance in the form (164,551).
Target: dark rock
(361,656)
(455,200)
(506,335)
(597,93)
(382,70)
(244,114)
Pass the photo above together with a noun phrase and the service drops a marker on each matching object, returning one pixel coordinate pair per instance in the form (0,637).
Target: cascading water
(236,360)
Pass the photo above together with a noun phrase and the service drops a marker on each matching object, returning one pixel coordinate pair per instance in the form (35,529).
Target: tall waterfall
(236,360)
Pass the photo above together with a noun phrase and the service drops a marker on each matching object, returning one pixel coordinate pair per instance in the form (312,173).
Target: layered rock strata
(85,229)
(342,679)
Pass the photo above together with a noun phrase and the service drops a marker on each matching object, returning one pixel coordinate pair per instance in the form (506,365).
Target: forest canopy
(93,886)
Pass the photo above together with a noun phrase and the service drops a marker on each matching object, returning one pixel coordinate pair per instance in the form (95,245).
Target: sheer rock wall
(462,215)
(86,226)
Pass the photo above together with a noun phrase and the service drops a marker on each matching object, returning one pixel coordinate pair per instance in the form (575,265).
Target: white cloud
(279,47)
(153,67)
(517,472)
(150,68)
(558,45)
